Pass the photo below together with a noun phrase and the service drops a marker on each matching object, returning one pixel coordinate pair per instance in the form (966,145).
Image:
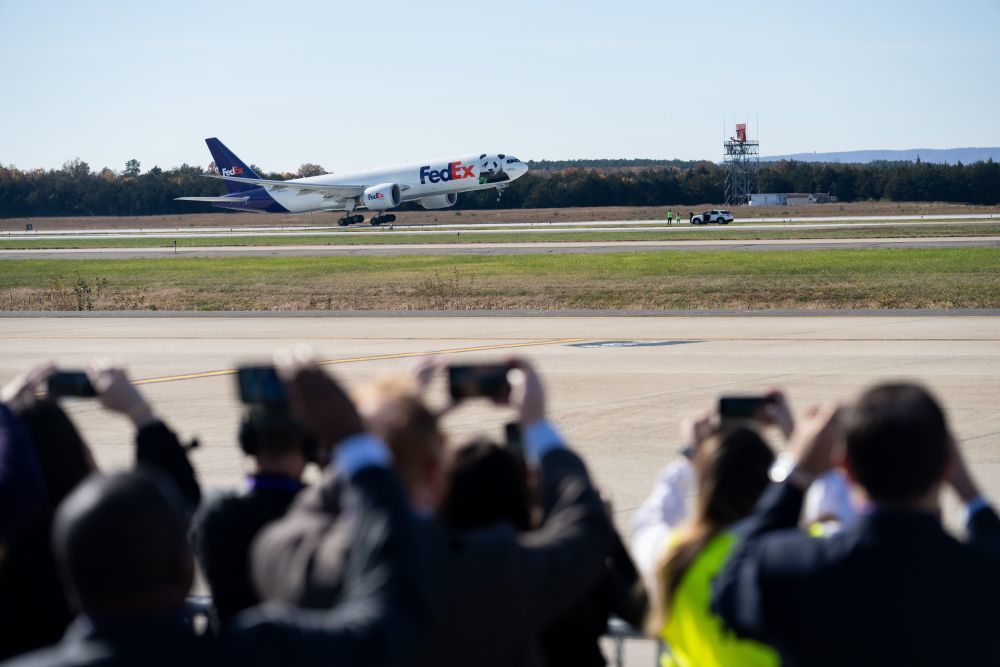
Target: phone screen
(488,380)
(512,434)
(742,407)
(70,383)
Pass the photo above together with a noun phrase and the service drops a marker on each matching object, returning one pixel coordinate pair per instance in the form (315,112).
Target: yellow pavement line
(376,357)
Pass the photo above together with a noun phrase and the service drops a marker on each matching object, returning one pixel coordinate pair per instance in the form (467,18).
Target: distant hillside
(933,155)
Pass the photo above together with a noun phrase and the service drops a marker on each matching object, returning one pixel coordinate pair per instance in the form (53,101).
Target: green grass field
(730,234)
(881,278)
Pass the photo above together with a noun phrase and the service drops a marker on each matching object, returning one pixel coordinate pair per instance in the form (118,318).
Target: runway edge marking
(376,357)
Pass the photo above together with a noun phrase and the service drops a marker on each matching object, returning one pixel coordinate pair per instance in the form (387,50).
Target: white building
(790,198)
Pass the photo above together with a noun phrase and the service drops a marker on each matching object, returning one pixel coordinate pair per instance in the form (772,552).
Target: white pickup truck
(715,215)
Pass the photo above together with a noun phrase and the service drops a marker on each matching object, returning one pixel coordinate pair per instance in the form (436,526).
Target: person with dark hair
(488,485)
(33,607)
(121,551)
(225,525)
(494,589)
(22,489)
(122,548)
(892,588)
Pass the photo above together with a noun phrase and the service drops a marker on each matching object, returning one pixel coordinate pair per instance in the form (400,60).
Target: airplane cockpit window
(512,160)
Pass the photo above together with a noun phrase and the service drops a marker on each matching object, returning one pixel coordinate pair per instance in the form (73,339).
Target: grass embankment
(388,237)
(885,278)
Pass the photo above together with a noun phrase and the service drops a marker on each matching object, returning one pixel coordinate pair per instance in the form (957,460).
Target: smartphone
(512,434)
(260,385)
(742,407)
(489,380)
(71,383)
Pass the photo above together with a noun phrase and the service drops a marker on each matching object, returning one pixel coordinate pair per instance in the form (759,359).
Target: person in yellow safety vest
(670,217)
(732,471)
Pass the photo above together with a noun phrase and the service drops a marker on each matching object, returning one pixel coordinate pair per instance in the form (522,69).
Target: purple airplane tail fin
(229,165)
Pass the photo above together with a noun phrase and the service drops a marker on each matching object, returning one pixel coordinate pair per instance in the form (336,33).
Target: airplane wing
(215,200)
(328,191)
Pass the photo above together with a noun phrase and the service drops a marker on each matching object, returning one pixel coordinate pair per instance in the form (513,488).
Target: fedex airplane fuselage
(433,184)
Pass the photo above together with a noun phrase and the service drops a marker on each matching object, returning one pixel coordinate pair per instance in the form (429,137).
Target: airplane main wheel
(391,217)
(376,221)
(342,222)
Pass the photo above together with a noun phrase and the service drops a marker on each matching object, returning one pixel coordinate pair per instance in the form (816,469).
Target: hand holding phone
(118,394)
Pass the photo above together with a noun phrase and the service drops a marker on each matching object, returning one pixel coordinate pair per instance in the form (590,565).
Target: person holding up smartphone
(669,504)
(680,544)
(34,610)
(495,589)
(278,448)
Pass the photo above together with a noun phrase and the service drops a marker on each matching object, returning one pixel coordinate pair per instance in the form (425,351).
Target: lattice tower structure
(741,159)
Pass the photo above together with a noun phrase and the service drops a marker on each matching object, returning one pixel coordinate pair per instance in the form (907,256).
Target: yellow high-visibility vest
(694,635)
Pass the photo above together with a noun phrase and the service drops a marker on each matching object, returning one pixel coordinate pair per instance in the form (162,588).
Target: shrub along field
(793,279)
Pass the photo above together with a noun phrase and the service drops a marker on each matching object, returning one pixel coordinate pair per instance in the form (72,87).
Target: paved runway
(553,226)
(619,386)
(527,248)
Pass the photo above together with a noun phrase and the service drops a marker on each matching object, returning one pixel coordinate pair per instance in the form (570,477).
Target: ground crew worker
(670,217)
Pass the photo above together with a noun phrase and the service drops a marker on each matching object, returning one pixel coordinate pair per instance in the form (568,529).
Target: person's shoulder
(794,550)
(219,502)
(216,508)
(487,546)
(63,654)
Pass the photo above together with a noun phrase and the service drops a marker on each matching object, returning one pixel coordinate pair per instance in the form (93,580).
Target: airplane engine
(439,201)
(382,197)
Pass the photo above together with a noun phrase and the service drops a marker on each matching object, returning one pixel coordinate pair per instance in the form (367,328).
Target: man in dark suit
(226,523)
(120,543)
(893,589)
(493,590)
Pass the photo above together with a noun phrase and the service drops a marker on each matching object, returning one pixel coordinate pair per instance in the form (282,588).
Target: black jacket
(493,590)
(34,611)
(378,616)
(574,637)
(894,589)
(222,531)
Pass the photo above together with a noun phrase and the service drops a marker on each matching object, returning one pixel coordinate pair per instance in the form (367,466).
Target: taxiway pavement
(501,248)
(618,386)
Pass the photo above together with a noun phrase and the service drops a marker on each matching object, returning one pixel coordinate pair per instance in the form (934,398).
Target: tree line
(76,189)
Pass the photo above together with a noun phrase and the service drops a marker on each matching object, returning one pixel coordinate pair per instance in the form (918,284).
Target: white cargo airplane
(433,184)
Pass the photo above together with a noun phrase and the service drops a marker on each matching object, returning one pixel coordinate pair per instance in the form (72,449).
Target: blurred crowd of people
(413,550)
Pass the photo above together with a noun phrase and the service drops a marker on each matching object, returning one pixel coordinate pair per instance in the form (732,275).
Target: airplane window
(511,160)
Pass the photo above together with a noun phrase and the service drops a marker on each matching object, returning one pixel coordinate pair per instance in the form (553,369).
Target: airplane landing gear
(351,220)
(500,189)
(384,218)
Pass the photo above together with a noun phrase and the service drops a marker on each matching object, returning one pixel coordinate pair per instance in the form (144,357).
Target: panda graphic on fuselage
(491,169)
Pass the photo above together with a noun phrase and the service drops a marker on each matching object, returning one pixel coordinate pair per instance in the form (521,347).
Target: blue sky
(375,83)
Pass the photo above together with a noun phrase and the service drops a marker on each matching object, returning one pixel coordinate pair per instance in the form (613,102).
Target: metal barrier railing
(618,630)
